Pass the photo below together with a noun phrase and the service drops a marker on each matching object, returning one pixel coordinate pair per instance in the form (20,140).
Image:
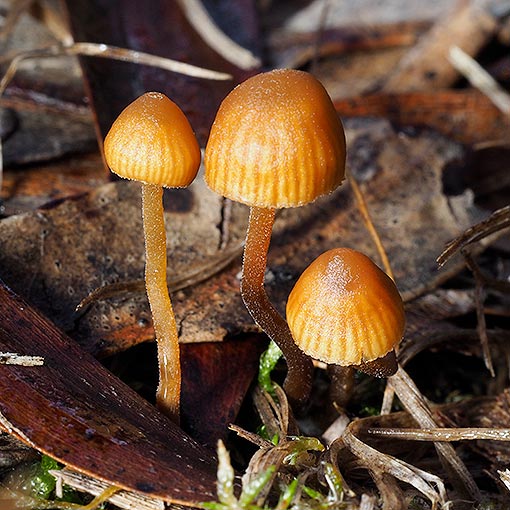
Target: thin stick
(443,434)
(481,325)
(479,78)
(298,382)
(106,51)
(415,404)
(496,222)
(165,327)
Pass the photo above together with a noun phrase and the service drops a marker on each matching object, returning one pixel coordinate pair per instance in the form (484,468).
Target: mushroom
(345,311)
(276,142)
(152,141)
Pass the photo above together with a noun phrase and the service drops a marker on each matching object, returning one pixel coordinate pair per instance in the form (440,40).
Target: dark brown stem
(342,384)
(298,382)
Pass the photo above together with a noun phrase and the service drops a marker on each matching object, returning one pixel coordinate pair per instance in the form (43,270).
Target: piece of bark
(74,410)
(469,25)
(466,116)
(216,378)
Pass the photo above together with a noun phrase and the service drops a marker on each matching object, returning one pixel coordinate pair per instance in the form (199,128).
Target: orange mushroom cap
(152,141)
(277,141)
(345,310)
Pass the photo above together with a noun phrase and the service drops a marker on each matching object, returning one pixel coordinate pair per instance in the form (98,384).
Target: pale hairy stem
(298,382)
(165,327)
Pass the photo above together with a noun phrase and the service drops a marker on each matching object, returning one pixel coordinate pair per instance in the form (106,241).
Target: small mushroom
(345,311)
(276,142)
(152,141)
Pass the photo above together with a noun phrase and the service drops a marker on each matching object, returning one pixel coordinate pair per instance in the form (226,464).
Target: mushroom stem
(342,384)
(165,327)
(298,382)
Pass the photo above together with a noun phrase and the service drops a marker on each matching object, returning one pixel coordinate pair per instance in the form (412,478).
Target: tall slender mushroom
(152,141)
(276,142)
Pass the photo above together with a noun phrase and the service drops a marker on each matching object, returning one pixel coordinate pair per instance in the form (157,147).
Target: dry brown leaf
(87,242)
(79,245)
(79,413)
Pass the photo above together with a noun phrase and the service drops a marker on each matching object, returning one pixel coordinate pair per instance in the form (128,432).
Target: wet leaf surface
(74,410)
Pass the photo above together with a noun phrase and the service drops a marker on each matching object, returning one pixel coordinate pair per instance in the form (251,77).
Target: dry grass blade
(122,499)
(505,478)
(138,57)
(369,224)
(414,402)
(496,222)
(481,326)
(378,461)
(443,434)
(479,78)
(106,51)
(250,436)
(274,415)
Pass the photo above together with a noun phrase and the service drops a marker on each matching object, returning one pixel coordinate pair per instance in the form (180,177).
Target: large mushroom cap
(152,141)
(277,141)
(345,310)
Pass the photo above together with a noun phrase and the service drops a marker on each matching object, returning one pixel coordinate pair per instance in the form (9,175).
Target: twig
(121,498)
(113,52)
(375,460)
(479,78)
(443,434)
(496,222)
(414,402)
(481,326)
(200,20)
(11,358)
(425,66)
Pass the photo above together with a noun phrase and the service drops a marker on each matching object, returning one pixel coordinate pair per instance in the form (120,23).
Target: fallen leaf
(76,411)
(86,242)
(466,116)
